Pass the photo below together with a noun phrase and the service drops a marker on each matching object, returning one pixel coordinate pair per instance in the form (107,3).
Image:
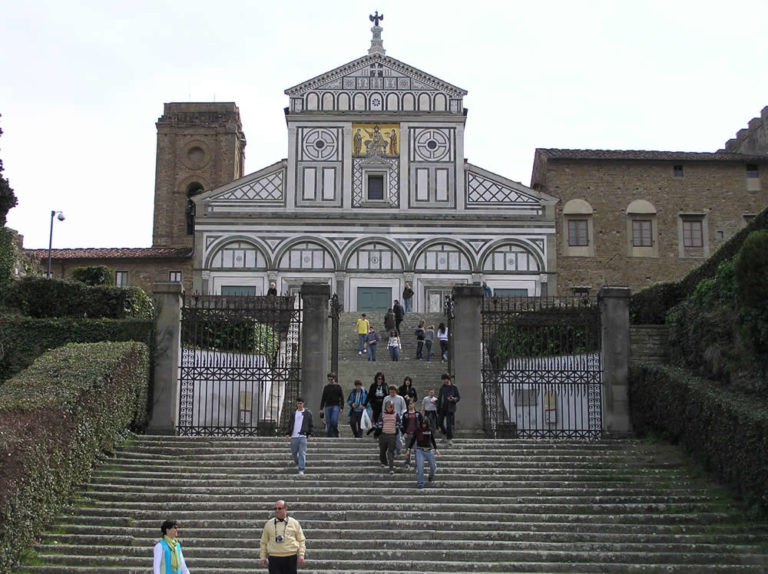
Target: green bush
(221,330)
(43,297)
(726,431)
(23,339)
(56,418)
(7,257)
(94,275)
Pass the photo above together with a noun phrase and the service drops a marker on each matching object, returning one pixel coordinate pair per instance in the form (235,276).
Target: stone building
(635,218)
(374,193)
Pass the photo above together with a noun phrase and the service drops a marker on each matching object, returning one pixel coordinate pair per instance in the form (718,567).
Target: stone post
(164,410)
(314,346)
(467,357)
(614,358)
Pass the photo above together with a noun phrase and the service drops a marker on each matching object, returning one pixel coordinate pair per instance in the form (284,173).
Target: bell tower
(200,146)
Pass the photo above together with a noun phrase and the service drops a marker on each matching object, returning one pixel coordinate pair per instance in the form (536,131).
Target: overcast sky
(82,83)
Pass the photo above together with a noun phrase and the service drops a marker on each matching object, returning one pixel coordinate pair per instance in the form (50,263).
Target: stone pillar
(467,357)
(614,358)
(164,410)
(314,345)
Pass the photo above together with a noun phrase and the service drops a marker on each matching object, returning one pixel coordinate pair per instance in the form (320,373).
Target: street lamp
(60,216)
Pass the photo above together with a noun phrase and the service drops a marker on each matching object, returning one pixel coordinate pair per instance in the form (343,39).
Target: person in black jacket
(332,405)
(426,449)
(376,393)
(399,312)
(299,430)
(407,297)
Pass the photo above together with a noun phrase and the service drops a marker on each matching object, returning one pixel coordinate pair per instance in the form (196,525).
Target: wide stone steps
(496,506)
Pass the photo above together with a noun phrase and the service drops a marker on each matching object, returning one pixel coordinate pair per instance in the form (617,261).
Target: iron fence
(240,364)
(541,367)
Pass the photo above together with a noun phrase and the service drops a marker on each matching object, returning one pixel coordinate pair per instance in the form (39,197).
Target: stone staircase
(622,506)
(353,366)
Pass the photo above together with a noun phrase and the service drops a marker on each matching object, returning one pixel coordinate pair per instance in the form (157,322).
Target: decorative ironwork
(541,368)
(240,364)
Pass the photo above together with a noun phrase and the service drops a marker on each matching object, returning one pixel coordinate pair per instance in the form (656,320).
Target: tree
(7,197)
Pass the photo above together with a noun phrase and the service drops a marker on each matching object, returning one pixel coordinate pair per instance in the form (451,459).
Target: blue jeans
(299,451)
(428,343)
(331,421)
(419,349)
(422,454)
(372,351)
(361,341)
(407,305)
(394,353)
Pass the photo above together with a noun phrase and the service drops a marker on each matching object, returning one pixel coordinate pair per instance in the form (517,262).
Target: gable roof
(601,154)
(114,253)
(332,79)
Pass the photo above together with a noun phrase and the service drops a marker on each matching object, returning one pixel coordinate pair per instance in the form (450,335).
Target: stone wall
(753,139)
(649,343)
(717,191)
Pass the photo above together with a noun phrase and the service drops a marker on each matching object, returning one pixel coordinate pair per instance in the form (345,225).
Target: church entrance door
(374,298)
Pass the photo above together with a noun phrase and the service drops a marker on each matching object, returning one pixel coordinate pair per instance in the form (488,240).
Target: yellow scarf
(174,546)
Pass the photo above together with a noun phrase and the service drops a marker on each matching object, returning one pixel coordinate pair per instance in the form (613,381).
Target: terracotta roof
(600,154)
(113,253)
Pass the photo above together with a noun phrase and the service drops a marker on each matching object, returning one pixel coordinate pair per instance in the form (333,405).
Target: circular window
(196,157)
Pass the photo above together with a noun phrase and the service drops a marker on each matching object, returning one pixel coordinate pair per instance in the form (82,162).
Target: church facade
(374,193)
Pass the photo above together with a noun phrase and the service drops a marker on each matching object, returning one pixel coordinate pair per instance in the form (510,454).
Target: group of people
(368,338)
(392,413)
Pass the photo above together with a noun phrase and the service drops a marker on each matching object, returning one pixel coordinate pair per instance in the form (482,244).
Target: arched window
(238,255)
(510,258)
(443,257)
(193,189)
(375,257)
(578,229)
(642,229)
(307,256)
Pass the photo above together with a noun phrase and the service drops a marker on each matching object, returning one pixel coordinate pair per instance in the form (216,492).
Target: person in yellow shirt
(283,544)
(363,325)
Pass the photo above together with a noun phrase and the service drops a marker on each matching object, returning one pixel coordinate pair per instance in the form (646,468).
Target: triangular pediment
(376,72)
(263,187)
(486,189)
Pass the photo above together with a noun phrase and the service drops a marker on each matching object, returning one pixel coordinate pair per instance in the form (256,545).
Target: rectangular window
(753,172)
(578,235)
(677,170)
(641,233)
(375,188)
(309,184)
(121,278)
(693,233)
(174,276)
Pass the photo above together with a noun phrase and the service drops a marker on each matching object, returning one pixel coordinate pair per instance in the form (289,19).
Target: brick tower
(200,146)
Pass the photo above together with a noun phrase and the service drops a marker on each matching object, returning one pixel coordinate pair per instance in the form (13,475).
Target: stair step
(619,506)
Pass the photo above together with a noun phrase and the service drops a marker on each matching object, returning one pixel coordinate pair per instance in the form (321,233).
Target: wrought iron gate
(240,364)
(541,367)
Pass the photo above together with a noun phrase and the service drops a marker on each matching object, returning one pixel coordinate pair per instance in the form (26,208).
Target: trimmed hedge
(23,339)
(650,306)
(727,431)
(41,297)
(56,418)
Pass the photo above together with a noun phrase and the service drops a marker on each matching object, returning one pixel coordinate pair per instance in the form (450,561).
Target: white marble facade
(375,192)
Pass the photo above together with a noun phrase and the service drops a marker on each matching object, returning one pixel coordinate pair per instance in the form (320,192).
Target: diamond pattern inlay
(482,190)
(267,188)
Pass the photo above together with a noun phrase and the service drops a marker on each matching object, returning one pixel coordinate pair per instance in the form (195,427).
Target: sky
(82,83)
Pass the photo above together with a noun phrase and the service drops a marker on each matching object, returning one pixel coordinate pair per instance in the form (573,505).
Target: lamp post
(60,216)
